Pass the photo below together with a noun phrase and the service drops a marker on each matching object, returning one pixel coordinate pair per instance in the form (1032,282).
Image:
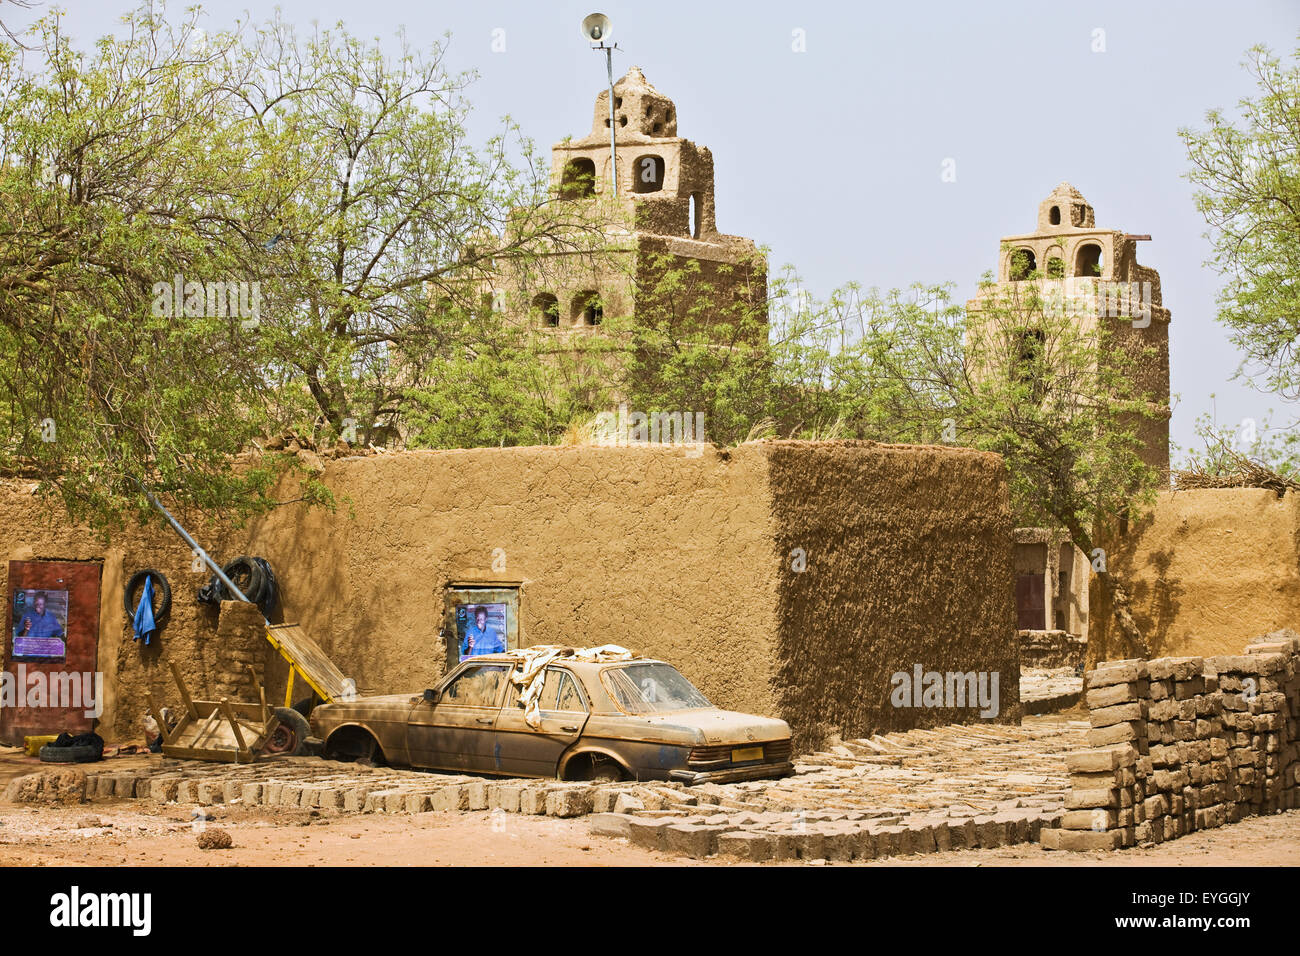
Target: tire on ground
(293,724)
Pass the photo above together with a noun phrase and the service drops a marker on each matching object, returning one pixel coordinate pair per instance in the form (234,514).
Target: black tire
(290,737)
(253,577)
(352,745)
(607,771)
(83,754)
(161,587)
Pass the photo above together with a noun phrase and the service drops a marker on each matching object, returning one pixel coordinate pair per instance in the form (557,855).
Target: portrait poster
(40,625)
(480,629)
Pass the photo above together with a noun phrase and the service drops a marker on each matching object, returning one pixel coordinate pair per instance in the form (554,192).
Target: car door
(458,732)
(535,752)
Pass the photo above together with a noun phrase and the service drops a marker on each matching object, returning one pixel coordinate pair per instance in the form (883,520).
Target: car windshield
(650,689)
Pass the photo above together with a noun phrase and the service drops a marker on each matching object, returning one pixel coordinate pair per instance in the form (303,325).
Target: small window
(1054,217)
(547,308)
(560,692)
(1022,264)
(579,179)
(477,687)
(693,220)
(648,174)
(587,308)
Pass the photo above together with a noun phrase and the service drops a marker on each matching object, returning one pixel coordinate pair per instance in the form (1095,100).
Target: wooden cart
(224,730)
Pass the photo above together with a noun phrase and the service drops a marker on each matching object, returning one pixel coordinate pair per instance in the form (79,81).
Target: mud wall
(1203,568)
(678,553)
(908,562)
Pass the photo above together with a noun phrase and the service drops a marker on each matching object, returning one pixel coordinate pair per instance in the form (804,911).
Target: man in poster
(38,623)
(479,638)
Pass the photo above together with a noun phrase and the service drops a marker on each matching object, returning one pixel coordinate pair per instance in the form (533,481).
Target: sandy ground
(128,833)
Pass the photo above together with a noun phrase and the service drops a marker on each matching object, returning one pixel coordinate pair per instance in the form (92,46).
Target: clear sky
(833,156)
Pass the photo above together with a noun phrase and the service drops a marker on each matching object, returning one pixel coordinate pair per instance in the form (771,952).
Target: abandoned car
(599,715)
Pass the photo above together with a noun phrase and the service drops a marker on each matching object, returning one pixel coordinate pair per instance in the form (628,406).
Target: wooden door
(51,648)
(1031,610)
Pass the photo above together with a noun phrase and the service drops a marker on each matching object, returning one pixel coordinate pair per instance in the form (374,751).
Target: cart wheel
(290,735)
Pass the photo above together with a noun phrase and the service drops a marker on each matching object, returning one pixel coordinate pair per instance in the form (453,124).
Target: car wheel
(606,771)
(290,735)
(351,745)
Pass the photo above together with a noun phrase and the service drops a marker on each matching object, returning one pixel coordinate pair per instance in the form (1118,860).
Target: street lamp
(596,29)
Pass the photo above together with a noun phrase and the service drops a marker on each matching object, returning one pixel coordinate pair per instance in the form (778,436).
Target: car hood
(710,726)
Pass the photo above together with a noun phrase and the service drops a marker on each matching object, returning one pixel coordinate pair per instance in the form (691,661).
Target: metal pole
(176,526)
(613,150)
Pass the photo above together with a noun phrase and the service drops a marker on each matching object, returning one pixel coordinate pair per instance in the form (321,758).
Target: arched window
(579,179)
(1087,261)
(693,222)
(1054,217)
(547,308)
(1022,264)
(587,308)
(648,174)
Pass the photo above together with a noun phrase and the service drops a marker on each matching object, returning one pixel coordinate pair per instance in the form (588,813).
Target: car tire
(162,592)
(83,754)
(290,737)
(607,771)
(348,746)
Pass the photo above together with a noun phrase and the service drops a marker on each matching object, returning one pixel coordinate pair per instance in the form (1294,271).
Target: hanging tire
(162,592)
(290,735)
(253,577)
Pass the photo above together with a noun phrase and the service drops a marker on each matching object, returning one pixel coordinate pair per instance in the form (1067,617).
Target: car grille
(714,758)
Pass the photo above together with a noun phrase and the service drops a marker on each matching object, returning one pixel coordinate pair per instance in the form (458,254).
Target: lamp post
(596,28)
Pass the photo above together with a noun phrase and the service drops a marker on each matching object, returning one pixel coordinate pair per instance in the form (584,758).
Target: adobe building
(665,209)
(787,578)
(1094,273)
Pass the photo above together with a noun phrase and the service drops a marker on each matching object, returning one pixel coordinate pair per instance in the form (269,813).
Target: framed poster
(40,620)
(480,620)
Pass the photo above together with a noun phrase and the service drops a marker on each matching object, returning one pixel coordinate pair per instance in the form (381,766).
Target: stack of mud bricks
(1184,743)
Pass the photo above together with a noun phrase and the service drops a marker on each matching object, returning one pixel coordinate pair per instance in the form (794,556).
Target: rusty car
(592,719)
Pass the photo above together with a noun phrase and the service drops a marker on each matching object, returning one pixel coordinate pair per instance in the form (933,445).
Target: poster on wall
(40,625)
(480,629)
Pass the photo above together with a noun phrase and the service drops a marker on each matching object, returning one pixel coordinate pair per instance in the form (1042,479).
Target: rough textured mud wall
(1203,568)
(641,546)
(909,553)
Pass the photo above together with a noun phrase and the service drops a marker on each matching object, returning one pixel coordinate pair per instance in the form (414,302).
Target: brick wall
(1184,743)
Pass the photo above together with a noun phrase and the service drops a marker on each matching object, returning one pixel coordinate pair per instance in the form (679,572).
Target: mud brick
(1230,683)
(163,789)
(990,832)
(1178,668)
(1170,780)
(1287,645)
(888,840)
(1164,755)
(1210,817)
(1187,689)
(608,824)
(124,785)
(569,802)
(187,791)
(1123,777)
(456,797)
(1049,838)
(1218,748)
(1089,840)
(1155,806)
(840,841)
(418,802)
(1256,665)
(1209,706)
(799,845)
(940,831)
(1116,694)
(1089,819)
(1144,768)
(864,845)
(1092,799)
(1129,732)
(1184,730)
(690,839)
(1119,713)
(1100,760)
(962,834)
(1234,813)
(1110,673)
(647,833)
(1267,722)
(271,792)
(1194,751)
(746,845)
(1173,827)
(375,801)
(505,796)
(1234,702)
(1161,689)
(1142,833)
(1211,683)
(1162,710)
(354,800)
(1219,771)
(1128,816)
(232,790)
(476,795)
(209,792)
(250,794)
(395,802)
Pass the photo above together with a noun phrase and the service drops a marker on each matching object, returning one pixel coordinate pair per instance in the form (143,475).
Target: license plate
(743,754)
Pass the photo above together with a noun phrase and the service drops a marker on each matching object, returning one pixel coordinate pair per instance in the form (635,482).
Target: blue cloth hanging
(143,622)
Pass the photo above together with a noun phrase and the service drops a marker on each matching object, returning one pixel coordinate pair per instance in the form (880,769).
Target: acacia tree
(1249,179)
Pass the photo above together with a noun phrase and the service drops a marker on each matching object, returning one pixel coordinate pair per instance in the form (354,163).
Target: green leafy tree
(1248,174)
